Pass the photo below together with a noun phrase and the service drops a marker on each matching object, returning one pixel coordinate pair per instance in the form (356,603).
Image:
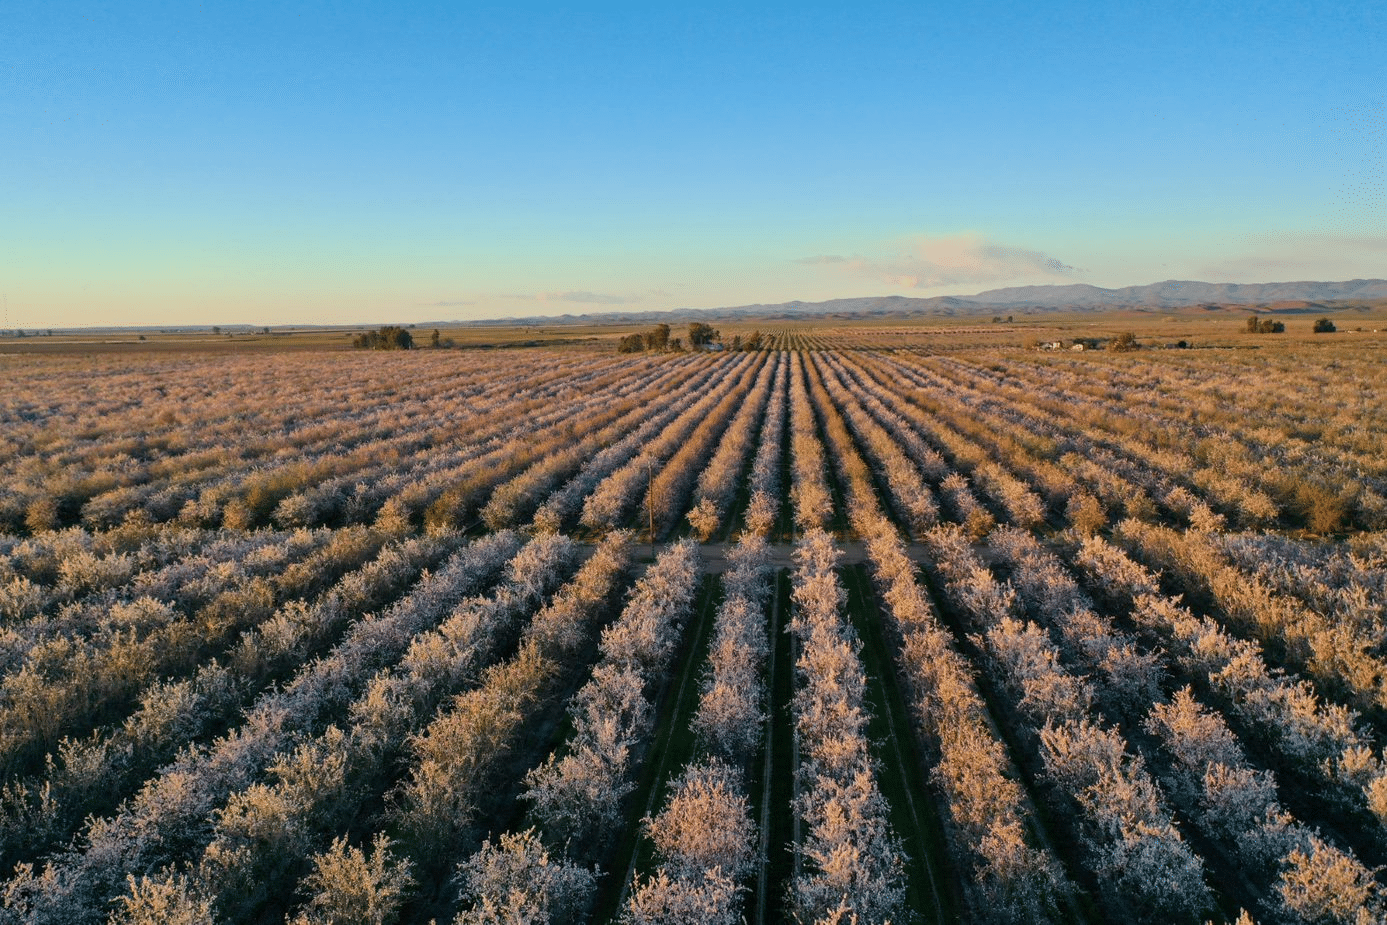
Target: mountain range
(1175,292)
(1171,293)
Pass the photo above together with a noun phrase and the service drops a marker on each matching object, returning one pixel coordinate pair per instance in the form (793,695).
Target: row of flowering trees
(627,421)
(905,480)
(182,684)
(990,824)
(718,481)
(1336,654)
(1145,867)
(704,835)
(563,504)
(262,832)
(1311,737)
(1255,476)
(990,819)
(1207,773)
(850,861)
(710,448)
(1121,817)
(91,774)
(207,449)
(809,495)
(167,819)
(700,422)
(763,507)
(1132,677)
(577,794)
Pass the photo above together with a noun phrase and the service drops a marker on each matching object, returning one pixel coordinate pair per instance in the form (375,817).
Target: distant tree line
(391,337)
(700,337)
(1257,325)
(657,338)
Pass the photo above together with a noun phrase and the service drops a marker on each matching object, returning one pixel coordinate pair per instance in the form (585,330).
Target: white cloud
(931,261)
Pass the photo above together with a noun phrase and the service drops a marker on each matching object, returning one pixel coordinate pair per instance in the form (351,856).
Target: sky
(346,162)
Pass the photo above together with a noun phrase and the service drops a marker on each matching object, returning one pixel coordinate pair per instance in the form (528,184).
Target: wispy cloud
(931,261)
(1320,240)
(447,304)
(596,298)
(1300,255)
(587,298)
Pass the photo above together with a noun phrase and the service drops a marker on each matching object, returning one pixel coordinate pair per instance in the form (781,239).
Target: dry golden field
(883,621)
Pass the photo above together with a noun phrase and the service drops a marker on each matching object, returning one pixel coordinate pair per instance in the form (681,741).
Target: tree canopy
(700,334)
(391,337)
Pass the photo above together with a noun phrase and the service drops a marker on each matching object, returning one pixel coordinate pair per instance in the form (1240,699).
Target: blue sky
(352,162)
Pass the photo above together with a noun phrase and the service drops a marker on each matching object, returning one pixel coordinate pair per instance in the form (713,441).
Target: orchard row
(993,636)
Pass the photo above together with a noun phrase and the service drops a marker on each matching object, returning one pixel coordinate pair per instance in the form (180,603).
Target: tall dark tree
(657,338)
(700,334)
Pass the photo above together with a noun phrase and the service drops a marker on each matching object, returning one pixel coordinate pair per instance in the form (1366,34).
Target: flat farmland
(867,625)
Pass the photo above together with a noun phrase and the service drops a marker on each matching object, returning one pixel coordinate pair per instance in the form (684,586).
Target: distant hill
(1175,292)
(1172,293)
